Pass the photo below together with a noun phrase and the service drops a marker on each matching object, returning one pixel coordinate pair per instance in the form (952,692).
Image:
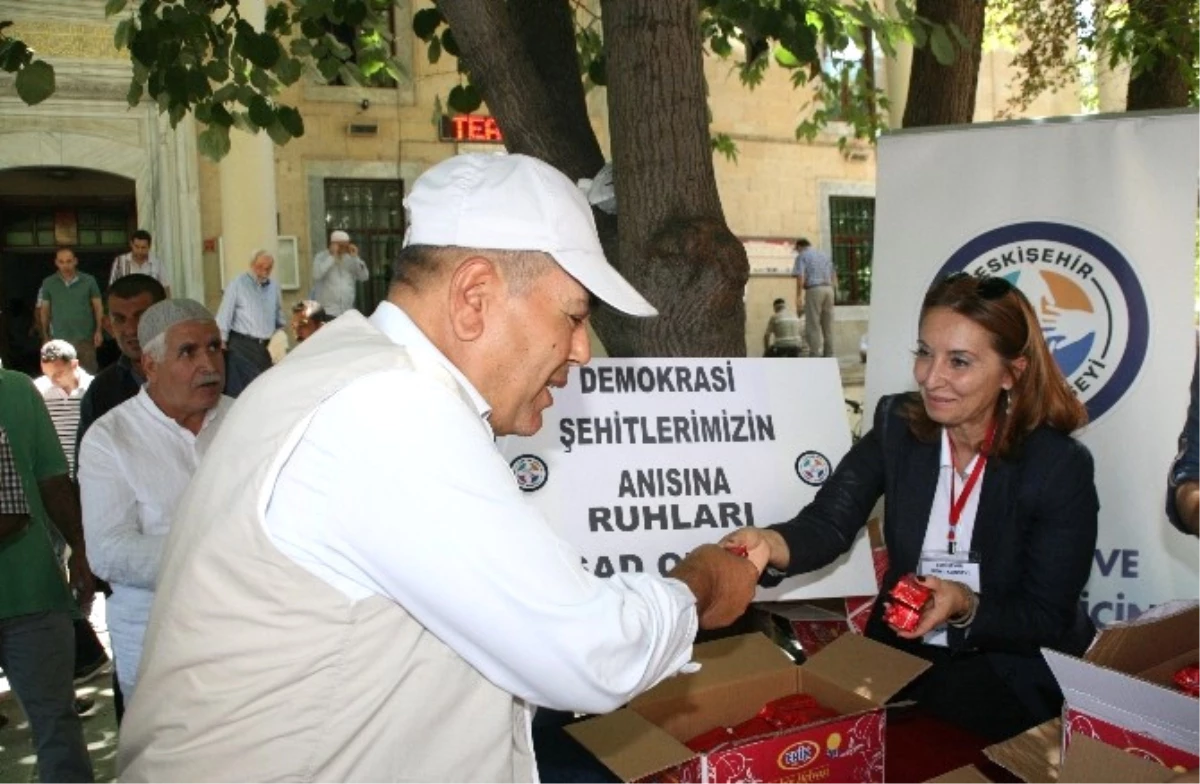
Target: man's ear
(149,367)
(474,286)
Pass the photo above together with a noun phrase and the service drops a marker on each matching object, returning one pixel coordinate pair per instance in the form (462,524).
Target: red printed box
(1122,692)
(853,676)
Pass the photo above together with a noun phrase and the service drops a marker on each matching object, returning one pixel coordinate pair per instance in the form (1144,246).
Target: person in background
(140,261)
(336,271)
(137,460)
(782,338)
(37,644)
(69,309)
(307,317)
(251,311)
(816,294)
(324,563)
(987,497)
(62,387)
(1183,480)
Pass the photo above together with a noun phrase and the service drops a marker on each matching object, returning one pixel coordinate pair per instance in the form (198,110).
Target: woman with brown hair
(987,498)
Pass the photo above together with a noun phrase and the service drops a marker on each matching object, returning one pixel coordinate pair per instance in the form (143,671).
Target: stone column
(248,208)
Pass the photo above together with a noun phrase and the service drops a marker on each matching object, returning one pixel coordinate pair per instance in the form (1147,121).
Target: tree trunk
(523,63)
(673,244)
(1164,84)
(945,94)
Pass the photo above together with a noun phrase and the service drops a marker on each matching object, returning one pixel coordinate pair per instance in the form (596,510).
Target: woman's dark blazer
(1035,531)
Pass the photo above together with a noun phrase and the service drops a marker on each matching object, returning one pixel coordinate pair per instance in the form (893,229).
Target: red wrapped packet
(794,710)
(752,728)
(709,741)
(1188,680)
(909,592)
(901,617)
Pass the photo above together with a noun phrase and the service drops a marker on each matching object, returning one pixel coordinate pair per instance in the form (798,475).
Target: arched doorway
(41,209)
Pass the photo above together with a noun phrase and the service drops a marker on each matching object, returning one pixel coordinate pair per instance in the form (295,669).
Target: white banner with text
(640,460)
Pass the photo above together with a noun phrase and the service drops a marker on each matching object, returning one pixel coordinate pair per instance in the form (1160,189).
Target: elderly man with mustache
(136,461)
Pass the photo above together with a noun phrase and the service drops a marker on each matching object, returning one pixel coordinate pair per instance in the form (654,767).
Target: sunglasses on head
(986,286)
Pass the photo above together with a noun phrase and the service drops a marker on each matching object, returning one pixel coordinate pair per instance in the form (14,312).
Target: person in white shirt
(137,459)
(335,273)
(355,588)
(140,261)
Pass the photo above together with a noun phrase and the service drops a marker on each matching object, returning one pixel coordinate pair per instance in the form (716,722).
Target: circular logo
(1086,295)
(813,468)
(531,472)
(799,755)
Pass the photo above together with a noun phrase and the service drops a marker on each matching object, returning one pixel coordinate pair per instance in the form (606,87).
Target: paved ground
(100,724)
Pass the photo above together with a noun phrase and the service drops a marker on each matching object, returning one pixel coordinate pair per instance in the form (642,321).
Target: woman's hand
(950,599)
(763,546)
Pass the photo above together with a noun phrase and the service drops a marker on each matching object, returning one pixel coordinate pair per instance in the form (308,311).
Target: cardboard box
(1036,756)
(853,676)
(1121,692)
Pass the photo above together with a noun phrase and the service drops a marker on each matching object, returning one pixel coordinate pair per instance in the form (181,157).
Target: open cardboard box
(853,675)
(1122,692)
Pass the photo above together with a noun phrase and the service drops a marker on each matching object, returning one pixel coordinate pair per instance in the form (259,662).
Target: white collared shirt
(134,464)
(64,409)
(395,489)
(938,528)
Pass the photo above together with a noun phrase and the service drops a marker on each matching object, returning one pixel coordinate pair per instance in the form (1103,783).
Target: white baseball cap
(339,236)
(515,202)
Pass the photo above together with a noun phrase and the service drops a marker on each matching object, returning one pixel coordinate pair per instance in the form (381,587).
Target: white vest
(256,670)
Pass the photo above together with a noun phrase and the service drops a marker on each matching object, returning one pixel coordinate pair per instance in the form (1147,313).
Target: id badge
(961,568)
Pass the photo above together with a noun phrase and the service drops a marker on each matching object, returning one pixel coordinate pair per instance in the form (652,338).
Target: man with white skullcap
(136,461)
(335,273)
(355,588)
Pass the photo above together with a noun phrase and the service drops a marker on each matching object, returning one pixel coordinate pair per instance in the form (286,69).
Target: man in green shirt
(37,642)
(69,309)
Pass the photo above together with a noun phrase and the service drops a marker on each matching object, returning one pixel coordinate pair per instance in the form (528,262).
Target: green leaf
(920,35)
(941,45)
(301,47)
(123,33)
(278,133)
(213,142)
(243,123)
(598,71)
(289,70)
(134,96)
(355,14)
(464,99)
(349,74)
(426,22)
(435,50)
(262,50)
(14,55)
(178,112)
(144,46)
(786,58)
(261,112)
(221,115)
(291,120)
(115,7)
(35,82)
(216,70)
(276,18)
(449,44)
(261,80)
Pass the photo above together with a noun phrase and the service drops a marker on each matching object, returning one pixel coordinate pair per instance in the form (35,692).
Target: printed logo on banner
(1086,295)
(813,468)
(531,472)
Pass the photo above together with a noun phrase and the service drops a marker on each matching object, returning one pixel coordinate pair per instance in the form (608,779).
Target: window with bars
(852,229)
(82,228)
(372,213)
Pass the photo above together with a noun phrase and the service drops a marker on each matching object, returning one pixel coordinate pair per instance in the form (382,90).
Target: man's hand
(950,599)
(1187,503)
(723,584)
(79,574)
(352,249)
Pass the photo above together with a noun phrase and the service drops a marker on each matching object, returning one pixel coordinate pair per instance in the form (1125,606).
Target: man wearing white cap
(137,459)
(335,272)
(354,587)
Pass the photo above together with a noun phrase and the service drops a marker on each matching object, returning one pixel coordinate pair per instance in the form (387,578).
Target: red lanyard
(957,504)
